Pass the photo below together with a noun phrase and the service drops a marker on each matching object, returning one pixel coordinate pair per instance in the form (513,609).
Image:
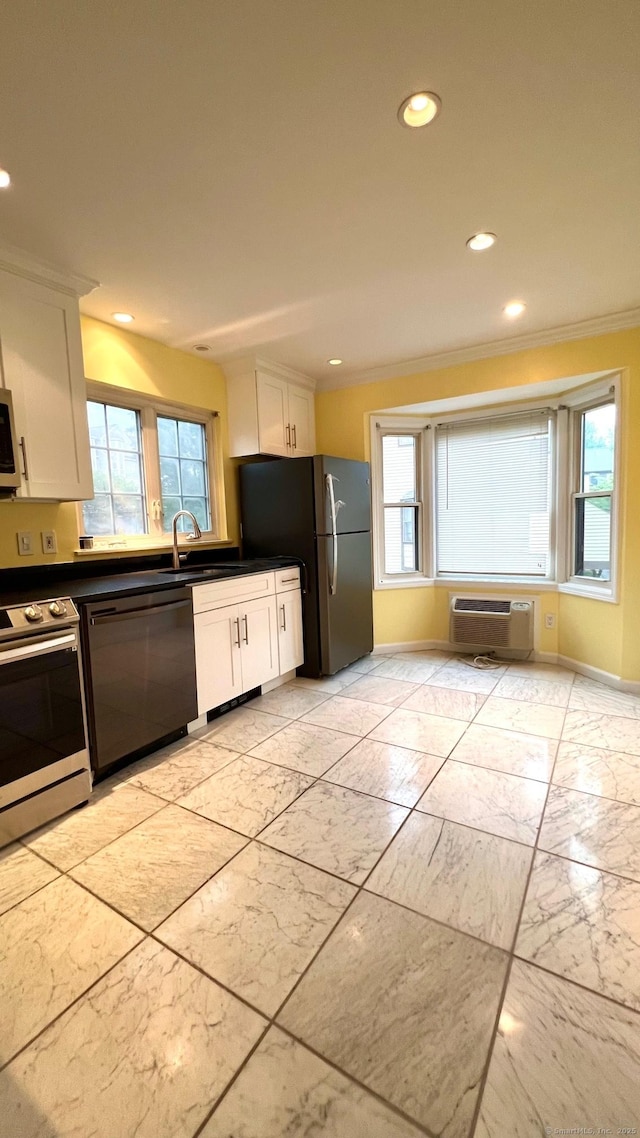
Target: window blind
(493,492)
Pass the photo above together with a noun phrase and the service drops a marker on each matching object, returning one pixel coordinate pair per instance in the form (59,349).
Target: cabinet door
(273,416)
(218,657)
(42,366)
(302,420)
(290,630)
(259,641)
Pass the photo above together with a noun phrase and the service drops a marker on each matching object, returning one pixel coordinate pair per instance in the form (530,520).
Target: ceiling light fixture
(514,308)
(201,348)
(123,317)
(335,362)
(5,179)
(419,109)
(481,241)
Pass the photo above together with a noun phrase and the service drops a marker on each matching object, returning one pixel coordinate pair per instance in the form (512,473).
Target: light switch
(24,542)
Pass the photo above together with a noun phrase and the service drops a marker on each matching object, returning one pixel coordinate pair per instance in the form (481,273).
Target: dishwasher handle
(128,614)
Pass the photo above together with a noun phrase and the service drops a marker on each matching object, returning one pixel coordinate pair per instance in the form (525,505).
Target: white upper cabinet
(41,364)
(274,430)
(271,410)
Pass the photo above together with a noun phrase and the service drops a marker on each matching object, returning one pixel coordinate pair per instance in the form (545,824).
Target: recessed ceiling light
(334,363)
(201,348)
(481,241)
(5,179)
(514,308)
(122,317)
(419,109)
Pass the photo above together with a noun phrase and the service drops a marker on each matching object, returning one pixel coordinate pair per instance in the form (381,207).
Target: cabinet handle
(295,445)
(23,448)
(246,629)
(237,624)
(284,619)
(288,435)
(288,580)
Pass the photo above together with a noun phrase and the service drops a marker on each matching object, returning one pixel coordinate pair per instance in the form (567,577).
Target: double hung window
(493,496)
(149,461)
(594,430)
(400,478)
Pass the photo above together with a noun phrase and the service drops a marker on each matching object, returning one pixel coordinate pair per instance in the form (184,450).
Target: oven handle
(37,648)
(129,614)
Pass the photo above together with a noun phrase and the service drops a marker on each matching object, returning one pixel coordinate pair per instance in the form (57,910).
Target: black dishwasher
(140,672)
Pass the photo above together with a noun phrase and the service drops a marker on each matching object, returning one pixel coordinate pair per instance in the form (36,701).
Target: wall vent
(483,624)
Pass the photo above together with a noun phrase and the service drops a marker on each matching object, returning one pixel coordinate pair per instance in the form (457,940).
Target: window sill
(533,584)
(403,583)
(574,589)
(537,584)
(120,550)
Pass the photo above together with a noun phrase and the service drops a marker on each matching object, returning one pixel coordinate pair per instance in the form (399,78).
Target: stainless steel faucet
(195,536)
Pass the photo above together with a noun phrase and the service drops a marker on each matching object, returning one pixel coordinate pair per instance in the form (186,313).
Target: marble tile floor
(402,901)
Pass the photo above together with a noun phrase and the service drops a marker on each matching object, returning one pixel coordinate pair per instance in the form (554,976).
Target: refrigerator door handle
(333,579)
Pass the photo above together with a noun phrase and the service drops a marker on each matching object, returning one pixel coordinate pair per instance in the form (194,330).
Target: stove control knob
(33,613)
(58,608)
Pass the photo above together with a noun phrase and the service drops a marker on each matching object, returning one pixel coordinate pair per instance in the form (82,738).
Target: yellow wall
(594,632)
(115,356)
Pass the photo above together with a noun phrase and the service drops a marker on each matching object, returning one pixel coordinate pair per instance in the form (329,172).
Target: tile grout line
(273,1020)
(359,889)
(511,956)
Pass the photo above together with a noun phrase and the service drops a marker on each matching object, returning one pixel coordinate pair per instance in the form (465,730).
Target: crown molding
(597,326)
(239,365)
(23,264)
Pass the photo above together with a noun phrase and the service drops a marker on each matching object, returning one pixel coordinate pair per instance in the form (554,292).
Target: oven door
(42,735)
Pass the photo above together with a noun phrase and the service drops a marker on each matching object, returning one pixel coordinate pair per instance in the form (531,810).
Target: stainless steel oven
(44,762)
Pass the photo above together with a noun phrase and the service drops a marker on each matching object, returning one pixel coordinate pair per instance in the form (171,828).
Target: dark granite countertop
(85,588)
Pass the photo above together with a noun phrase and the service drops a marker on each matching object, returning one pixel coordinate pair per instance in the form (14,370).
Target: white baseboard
(197,724)
(406,646)
(601,676)
(583,669)
(279,681)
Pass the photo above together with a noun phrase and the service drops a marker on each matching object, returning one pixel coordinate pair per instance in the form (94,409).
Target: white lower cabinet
(258,642)
(218,666)
(290,630)
(237,645)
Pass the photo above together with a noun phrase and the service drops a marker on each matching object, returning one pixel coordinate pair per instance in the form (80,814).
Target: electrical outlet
(549,620)
(24,542)
(49,541)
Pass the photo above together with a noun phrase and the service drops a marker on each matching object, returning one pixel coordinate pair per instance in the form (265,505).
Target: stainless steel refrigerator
(319,510)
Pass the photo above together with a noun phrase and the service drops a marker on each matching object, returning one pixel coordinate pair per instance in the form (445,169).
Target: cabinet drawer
(217,594)
(287,579)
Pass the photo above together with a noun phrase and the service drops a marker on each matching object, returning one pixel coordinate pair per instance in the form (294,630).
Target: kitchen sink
(204,570)
(227,568)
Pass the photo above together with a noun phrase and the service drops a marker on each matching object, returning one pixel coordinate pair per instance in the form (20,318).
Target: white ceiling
(233,171)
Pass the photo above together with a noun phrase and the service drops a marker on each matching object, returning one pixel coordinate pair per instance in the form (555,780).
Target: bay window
(515,495)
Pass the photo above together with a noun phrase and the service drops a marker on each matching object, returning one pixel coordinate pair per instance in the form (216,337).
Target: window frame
(560,578)
(417,428)
(148,408)
(491,414)
(575,408)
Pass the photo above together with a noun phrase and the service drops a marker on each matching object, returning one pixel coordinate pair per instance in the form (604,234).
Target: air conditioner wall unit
(487,624)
